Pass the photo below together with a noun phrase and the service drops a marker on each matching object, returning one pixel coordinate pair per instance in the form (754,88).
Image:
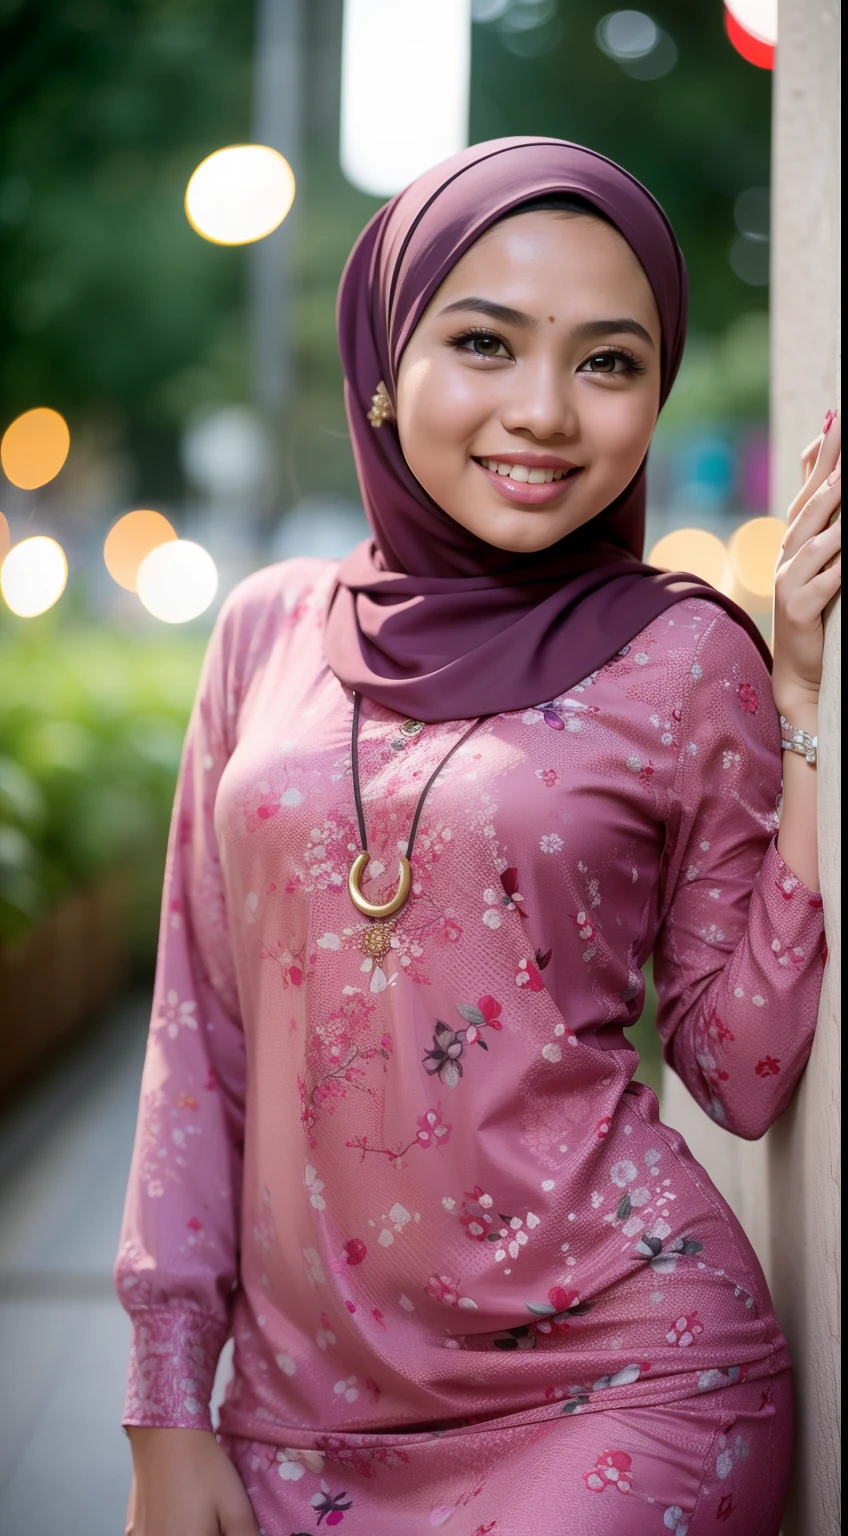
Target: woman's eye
(609,362)
(483,344)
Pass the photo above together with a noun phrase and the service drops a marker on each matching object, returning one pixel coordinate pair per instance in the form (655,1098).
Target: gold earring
(381,407)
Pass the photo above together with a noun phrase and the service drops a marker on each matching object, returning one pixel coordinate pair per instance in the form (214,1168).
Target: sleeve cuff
(173,1359)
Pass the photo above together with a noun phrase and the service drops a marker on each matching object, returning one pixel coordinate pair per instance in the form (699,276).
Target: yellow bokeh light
(5,538)
(33,576)
(694,550)
(130,540)
(34,448)
(239,194)
(754,549)
(177,581)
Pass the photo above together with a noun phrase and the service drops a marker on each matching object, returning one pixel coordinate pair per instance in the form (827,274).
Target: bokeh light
(627,34)
(530,28)
(753,550)
(751,26)
(751,261)
(33,576)
(752,212)
(239,194)
(228,452)
(130,540)
(694,550)
(637,44)
(34,448)
(177,581)
(5,538)
(406,71)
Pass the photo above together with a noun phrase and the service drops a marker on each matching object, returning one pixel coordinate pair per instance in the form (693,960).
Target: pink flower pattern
(611,1470)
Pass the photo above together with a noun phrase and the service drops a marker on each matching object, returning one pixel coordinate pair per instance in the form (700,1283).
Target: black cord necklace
(375,909)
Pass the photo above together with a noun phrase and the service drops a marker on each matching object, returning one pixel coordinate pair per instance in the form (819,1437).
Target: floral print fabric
(407,1165)
(720,1464)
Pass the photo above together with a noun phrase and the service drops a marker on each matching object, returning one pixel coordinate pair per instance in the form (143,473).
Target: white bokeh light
(33,576)
(637,44)
(627,34)
(239,194)
(405,79)
(758,17)
(226,452)
(177,581)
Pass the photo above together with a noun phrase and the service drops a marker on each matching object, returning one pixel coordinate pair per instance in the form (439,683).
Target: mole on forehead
(550,317)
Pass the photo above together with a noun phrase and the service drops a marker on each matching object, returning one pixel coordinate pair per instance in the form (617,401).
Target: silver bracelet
(796,740)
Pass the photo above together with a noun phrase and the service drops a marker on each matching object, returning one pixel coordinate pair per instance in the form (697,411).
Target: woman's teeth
(522,473)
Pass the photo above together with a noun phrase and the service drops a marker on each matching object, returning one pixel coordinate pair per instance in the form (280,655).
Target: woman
(389,1137)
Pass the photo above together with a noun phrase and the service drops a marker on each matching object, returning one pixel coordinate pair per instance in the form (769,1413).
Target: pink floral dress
(472,1279)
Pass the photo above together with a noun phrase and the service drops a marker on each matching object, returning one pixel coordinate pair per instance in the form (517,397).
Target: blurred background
(171,418)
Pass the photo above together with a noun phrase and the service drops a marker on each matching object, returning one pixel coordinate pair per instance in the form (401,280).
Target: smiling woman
(525,430)
(391,1136)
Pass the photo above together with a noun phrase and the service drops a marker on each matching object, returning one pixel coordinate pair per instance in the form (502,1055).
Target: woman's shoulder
(268,609)
(279,588)
(700,633)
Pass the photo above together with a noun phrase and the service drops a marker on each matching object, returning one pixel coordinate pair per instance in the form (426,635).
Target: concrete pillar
(786,1189)
(804,1148)
(277,110)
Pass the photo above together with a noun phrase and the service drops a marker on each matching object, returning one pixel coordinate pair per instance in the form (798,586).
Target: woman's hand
(809,574)
(184,1484)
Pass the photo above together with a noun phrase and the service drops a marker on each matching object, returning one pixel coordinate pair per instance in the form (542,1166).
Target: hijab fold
(426,618)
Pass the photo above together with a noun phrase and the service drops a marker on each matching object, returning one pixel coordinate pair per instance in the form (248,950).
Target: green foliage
(111,304)
(87,780)
(108,296)
(696,137)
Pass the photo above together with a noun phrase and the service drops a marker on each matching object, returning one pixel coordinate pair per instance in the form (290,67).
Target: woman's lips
(520,493)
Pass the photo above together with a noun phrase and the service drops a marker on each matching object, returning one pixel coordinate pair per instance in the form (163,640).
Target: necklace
(375,909)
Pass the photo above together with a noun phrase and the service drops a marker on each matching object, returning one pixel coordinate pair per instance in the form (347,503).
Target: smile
(522,473)
(526,485)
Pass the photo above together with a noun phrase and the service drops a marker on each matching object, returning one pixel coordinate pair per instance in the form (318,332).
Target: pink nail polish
(828,423)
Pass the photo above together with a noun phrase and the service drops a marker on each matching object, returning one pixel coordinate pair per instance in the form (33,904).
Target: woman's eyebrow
(592,328)
(500,312)
(588,330)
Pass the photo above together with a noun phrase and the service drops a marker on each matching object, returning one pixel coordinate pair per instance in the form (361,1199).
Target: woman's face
(529,390)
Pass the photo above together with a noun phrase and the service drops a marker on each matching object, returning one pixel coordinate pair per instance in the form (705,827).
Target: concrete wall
(805,1148)
(786,1189)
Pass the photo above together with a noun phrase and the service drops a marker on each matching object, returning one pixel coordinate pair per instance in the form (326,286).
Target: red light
(751,48)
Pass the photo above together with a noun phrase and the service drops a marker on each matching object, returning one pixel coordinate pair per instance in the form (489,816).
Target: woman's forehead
(532,260)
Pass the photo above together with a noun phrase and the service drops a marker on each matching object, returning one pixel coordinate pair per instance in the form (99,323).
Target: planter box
(60,974)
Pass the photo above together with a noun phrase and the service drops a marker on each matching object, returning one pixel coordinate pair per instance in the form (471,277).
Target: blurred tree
(109,301)
(697,136)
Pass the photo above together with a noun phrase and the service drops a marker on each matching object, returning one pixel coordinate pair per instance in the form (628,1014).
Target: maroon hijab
(426,618)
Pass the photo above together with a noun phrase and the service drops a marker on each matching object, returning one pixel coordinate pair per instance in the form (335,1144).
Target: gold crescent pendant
(374,908)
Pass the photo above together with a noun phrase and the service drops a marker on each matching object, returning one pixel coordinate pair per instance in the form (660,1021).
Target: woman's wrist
(797,704)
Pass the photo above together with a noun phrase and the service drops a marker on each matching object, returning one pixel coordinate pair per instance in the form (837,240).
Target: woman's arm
(738,957)
(177,1263)
(805,583)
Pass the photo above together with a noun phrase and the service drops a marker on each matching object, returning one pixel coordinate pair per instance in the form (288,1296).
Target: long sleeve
(177,1262)
(738,961)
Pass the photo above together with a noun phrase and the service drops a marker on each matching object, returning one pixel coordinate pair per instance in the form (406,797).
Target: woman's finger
(829,451)
(815,514)
(812,559)
(809,456)
(805,608)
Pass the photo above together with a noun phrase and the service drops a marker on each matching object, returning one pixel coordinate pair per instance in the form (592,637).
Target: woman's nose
(539,402)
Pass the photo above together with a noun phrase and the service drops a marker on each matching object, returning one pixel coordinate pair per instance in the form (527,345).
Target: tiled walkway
(64,1154)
